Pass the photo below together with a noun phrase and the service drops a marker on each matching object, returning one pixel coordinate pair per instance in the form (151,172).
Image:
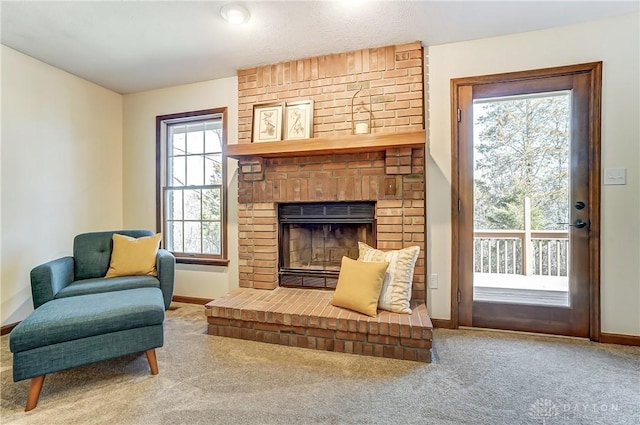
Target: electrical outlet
(433,281)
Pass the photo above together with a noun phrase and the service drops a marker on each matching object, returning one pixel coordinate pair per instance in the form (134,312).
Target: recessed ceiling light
(235,14)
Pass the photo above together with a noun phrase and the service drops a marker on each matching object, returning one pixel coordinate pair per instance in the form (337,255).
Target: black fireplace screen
(314,237)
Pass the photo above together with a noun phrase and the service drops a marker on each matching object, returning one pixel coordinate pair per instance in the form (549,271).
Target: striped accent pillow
(396,286)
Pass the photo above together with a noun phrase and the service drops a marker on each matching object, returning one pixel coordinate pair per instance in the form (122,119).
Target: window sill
(203,261)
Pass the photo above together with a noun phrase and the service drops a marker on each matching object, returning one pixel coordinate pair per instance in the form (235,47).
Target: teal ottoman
(75,331)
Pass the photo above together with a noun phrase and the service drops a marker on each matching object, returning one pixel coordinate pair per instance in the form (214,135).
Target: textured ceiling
(131,46)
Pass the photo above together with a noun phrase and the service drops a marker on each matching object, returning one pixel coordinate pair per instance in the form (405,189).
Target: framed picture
(267,122)
(298,120)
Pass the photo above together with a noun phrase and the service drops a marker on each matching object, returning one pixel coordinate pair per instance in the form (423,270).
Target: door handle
(579,224)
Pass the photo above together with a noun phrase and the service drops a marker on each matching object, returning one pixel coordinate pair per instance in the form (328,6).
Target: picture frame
(298,120)
(267,122)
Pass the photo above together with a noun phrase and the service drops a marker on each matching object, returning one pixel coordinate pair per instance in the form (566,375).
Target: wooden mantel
(328,145)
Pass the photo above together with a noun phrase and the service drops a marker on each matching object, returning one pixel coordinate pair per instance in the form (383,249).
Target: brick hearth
(305,318)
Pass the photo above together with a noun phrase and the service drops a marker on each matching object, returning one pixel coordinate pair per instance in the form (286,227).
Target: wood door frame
(594,71)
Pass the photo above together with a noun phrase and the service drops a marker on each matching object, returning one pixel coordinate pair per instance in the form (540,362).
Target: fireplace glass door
(312,246)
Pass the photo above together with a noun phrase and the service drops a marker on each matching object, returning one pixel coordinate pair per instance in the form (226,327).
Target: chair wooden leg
(153,362)
(34,392)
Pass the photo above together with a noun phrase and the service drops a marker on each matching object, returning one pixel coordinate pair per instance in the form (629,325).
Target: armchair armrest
(49,278)
(166,265)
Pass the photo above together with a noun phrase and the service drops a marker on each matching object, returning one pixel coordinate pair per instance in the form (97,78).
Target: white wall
(140,111)
(61,169)
(614,41)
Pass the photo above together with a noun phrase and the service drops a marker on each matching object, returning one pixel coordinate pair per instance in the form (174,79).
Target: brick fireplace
(384,169)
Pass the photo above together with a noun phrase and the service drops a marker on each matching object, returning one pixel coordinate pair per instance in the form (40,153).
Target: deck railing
(535,252)
(526,252)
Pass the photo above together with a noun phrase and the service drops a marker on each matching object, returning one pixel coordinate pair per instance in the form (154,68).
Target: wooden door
(518,255)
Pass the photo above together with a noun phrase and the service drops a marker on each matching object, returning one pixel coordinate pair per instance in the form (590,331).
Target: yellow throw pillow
(359,286)
(396,288)
(134,256)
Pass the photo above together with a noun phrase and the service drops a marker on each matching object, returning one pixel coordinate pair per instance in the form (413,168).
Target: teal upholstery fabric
(166,266)
(98,285)
(80,352)
(82,316)
(92,251)
(84,272)
(49,278)
(74,331)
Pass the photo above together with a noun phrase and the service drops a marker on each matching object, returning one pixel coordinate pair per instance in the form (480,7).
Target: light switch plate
(615,176)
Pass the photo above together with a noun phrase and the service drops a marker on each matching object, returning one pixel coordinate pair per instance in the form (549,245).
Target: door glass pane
(521,198)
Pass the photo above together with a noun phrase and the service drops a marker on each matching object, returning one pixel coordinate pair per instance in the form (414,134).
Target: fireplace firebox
(313,238)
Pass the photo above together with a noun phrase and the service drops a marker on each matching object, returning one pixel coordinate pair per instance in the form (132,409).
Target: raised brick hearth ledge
(305,318)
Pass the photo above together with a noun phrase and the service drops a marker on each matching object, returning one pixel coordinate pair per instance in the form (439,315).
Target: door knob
(579,224)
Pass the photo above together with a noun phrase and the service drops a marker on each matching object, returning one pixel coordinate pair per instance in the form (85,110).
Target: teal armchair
(84,273)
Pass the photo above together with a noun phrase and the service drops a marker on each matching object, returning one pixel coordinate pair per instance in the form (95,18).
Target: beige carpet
(478,377)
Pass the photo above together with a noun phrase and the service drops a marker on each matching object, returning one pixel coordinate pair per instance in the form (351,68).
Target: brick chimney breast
(392,77)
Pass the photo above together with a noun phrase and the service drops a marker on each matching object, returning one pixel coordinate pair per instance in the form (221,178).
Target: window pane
(212,237)
(213,169)
(174,204)
(174,238)
(195,170)
(192,204)
(192,236)
(177,171)
(213,124)
(211,203)
(212,142)
(177,139)
(195,139)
